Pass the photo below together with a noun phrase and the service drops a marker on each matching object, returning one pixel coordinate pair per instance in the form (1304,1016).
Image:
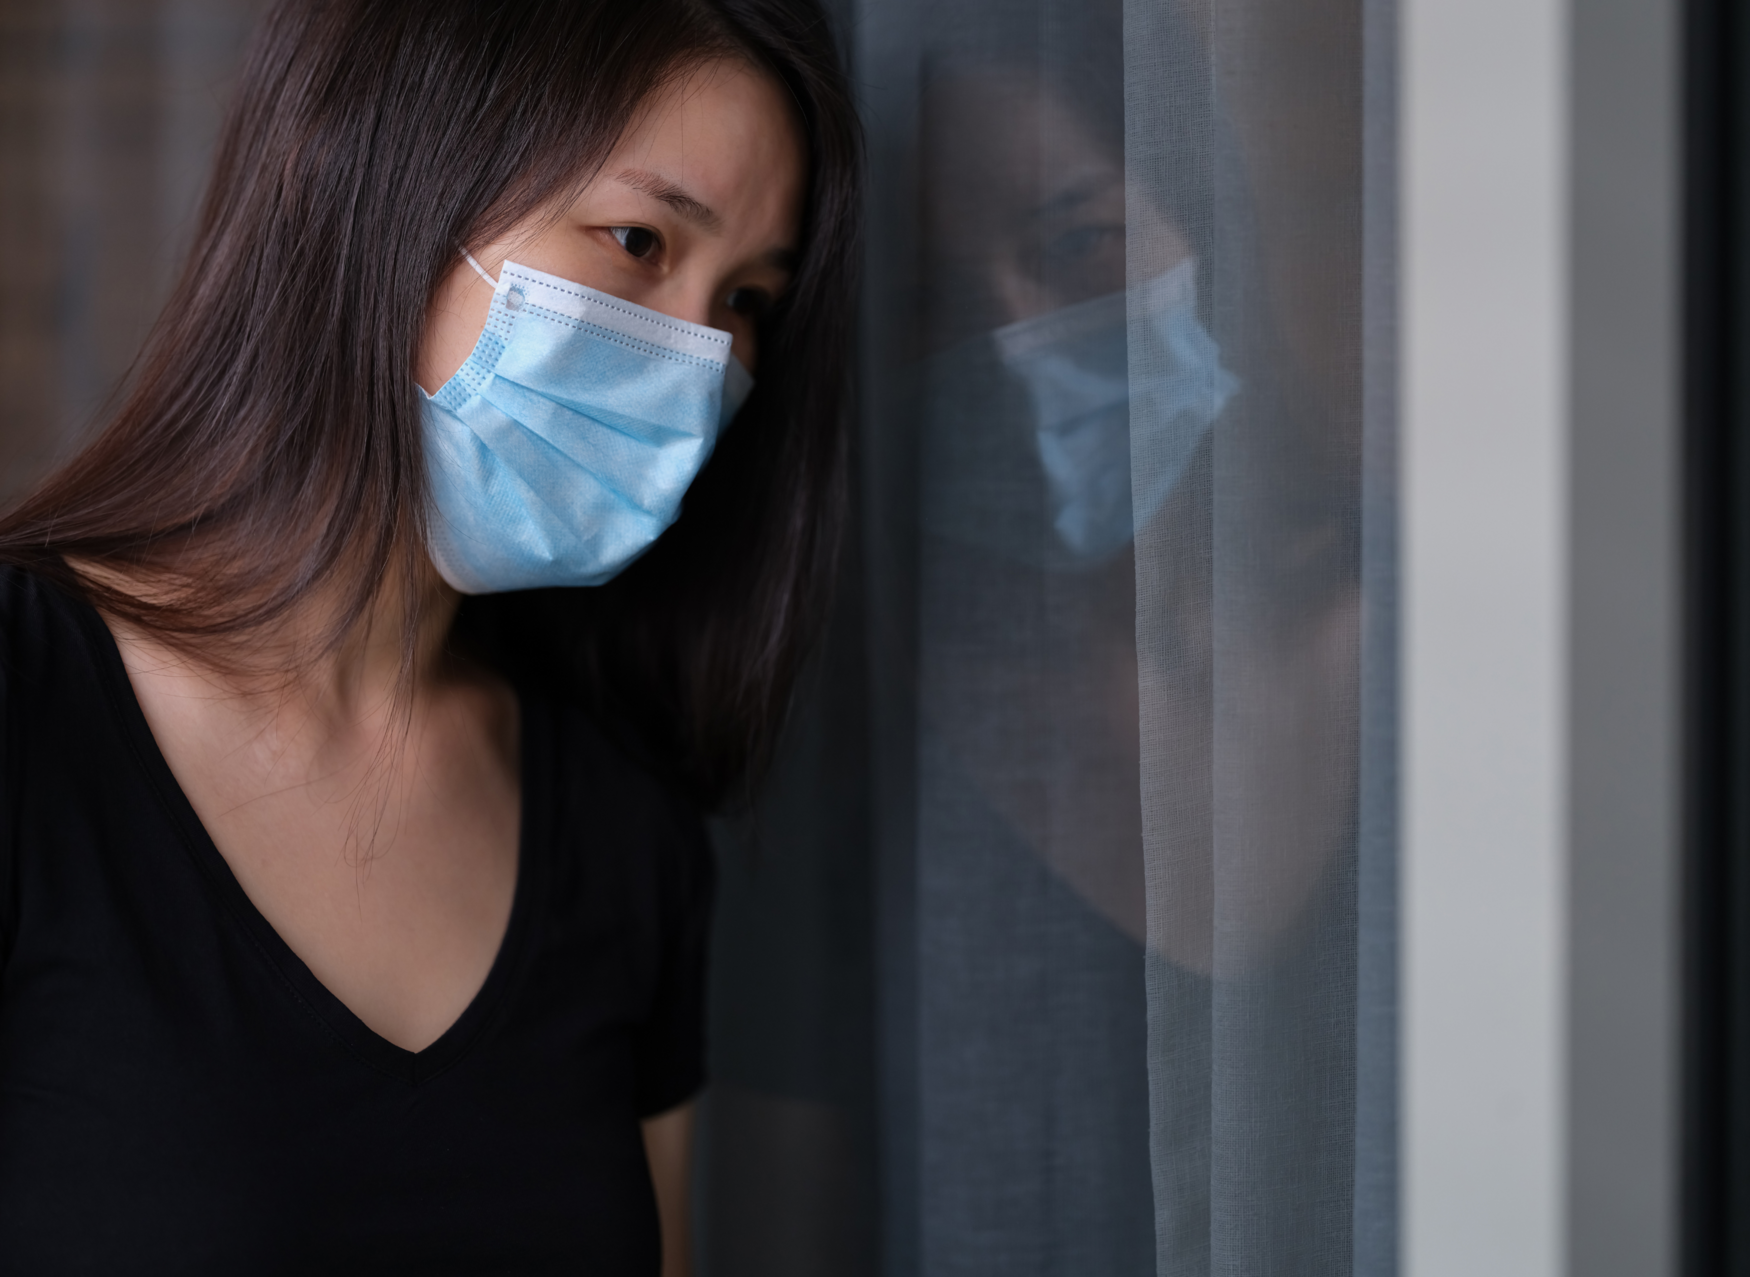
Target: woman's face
(695,214)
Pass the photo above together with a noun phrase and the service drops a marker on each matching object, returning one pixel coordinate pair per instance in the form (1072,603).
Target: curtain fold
(1248,629)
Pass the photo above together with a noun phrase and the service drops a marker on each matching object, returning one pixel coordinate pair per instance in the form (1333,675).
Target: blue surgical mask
(1104,390)
(561,449)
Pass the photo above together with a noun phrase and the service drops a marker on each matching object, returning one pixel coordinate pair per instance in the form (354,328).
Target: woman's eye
(752,302)
(1083,242)
(635,239)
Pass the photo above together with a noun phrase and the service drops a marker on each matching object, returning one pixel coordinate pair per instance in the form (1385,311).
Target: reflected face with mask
(1067,416)
(1027,218)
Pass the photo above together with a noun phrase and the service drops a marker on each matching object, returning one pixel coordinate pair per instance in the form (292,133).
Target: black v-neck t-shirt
(179,1094)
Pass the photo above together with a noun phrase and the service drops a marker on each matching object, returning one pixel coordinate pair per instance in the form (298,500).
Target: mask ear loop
(480,270)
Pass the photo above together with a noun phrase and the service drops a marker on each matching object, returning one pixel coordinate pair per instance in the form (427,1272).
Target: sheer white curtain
(1127,445)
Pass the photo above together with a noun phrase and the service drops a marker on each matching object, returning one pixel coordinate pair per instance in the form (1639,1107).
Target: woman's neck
(297,674)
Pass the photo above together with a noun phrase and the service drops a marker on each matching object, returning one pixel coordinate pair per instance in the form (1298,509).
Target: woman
(352,887)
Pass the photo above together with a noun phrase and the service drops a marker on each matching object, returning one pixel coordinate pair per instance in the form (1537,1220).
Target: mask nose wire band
(480,270)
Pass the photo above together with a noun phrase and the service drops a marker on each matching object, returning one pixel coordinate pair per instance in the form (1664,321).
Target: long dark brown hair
(269,443)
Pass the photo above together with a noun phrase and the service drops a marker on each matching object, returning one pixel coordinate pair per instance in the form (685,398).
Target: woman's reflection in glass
(1042,369)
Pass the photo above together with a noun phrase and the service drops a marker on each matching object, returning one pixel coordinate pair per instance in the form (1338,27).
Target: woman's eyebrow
(675,196)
